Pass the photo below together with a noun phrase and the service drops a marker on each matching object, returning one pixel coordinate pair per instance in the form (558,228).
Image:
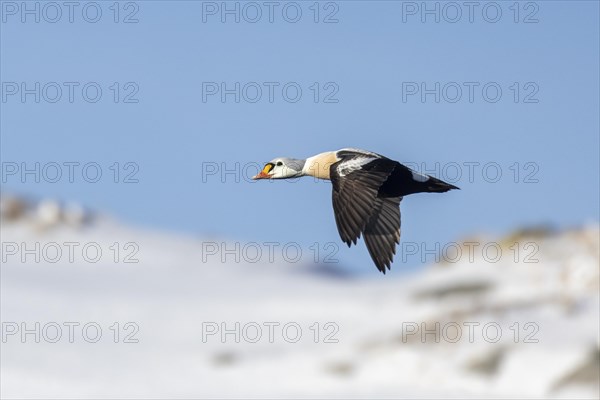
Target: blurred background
(140,260)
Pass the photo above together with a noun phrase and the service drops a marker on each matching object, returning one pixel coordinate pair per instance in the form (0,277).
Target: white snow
(542,321)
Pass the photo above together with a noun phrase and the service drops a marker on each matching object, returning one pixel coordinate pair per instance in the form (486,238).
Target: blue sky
(544,125)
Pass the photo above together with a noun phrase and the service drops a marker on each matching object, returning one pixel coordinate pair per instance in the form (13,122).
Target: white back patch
(353,164)
(419,177)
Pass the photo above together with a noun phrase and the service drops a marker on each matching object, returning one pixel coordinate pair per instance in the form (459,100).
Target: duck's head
(281,168)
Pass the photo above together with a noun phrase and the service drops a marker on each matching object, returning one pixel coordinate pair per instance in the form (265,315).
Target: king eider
(367,190)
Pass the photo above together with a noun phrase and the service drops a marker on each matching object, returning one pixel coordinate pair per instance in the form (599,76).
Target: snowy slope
(541,337)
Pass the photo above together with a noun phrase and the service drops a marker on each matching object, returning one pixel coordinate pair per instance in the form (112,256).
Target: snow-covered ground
(179,323)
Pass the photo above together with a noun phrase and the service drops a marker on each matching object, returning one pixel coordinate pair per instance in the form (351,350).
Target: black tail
(434,185)
(404,181)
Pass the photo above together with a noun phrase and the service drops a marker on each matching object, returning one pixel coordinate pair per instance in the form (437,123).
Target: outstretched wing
(382,232)
(357,179)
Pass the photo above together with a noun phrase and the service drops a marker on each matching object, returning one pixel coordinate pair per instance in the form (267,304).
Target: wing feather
(382,232)
(354,196)
(357,179)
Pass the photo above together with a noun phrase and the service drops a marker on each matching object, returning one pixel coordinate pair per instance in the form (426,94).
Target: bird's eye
(279,163)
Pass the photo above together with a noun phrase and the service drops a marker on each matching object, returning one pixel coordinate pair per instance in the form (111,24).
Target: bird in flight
(367,190)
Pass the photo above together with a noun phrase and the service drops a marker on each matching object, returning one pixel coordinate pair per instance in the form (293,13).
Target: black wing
(382,232)
(356,180)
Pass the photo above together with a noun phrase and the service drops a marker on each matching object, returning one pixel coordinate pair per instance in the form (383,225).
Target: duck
(367,191)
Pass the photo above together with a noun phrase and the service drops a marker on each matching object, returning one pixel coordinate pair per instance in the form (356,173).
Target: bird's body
(367,190)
